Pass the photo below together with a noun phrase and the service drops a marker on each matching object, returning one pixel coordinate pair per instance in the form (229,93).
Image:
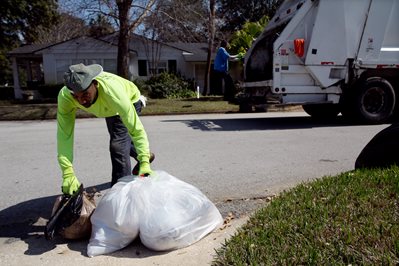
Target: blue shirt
(221,63)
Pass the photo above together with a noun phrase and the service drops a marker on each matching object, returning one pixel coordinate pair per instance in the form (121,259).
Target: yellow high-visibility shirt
(116,96)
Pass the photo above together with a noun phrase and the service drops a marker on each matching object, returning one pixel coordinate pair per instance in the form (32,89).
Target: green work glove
(70,185)
(145,169)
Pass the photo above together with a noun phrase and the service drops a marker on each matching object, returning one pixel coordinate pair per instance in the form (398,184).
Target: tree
(66,28)
(172,21)
(211,37)
(152,50)
(235,13)
(100,26)
(69,27)
(185,21)
(127,16)
(241,40)
(20,23)
(178,21)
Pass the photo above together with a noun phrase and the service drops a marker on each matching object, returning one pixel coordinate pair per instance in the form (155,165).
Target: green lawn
(187,106)
(348,219)
(31,110)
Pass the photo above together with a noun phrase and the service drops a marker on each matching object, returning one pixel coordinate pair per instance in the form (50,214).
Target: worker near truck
(102,94)
(221,70)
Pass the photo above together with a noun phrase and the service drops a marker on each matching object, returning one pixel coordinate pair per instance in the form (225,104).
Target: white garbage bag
(173,214)
(167,213)
(115,222)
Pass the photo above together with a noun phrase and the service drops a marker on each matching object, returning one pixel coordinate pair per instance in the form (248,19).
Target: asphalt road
(237,160)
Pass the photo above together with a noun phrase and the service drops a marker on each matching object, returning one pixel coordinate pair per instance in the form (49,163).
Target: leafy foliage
(242,39)
(167,85)
(20,21)
(235,13)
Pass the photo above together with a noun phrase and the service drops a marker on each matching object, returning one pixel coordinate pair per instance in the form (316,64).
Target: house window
(172,66)
(159,68)
(142,68)
(110,65)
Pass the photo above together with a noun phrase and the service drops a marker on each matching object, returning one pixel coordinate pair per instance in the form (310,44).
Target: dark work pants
(120,146)
(228,85)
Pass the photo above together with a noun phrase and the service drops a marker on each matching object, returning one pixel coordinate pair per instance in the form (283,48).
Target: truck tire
(375,100)
(322,111)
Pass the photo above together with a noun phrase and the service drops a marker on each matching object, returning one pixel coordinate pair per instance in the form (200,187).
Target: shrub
(6,92)
(143,87)
(167,85)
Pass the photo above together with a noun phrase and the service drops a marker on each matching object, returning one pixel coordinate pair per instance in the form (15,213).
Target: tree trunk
(211,37)
(124,37)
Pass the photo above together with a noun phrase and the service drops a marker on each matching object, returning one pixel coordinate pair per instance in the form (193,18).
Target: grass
(186,106)
(47,109)
(349,219)
(40,110)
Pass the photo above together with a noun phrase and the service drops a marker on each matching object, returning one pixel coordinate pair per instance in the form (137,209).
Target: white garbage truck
(330,56)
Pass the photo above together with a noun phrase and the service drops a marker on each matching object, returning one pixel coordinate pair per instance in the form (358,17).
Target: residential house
(46,64)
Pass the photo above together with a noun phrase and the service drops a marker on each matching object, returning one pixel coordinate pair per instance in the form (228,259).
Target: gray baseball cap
(79,77)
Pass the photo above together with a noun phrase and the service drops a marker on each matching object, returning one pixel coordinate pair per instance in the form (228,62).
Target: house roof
(33,49)
(192,51)
(28,49)
(113,39)
(85,43)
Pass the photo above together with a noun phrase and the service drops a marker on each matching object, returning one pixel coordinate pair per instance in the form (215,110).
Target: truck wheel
(322,111)
(375,100)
